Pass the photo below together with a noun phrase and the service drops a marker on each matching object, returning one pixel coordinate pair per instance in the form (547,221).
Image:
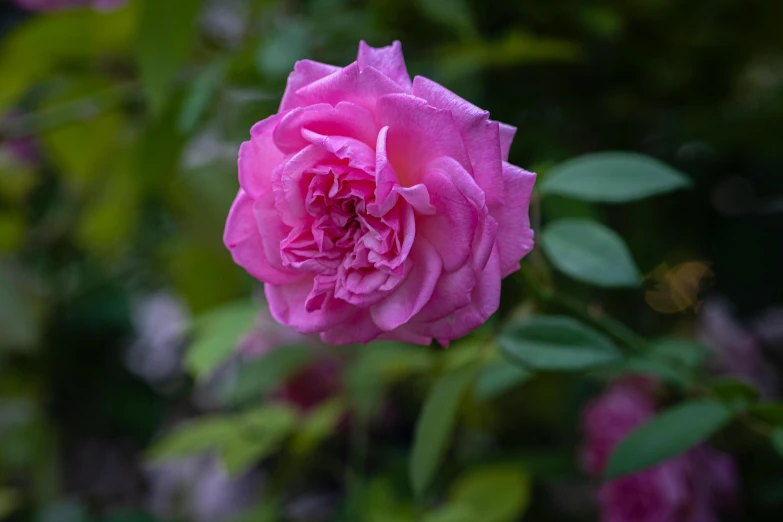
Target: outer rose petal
(507,133)
(454,224)
(388,60)
(259,157)
(453,292)
(287,306)
(346,119)
(305,72)
(411,296)
(362,86)
(515,237)
(484,301)
(357,329)
(242,238)
(418,134)
(481,136)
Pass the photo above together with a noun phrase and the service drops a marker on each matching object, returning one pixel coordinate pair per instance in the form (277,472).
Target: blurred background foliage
(120,307)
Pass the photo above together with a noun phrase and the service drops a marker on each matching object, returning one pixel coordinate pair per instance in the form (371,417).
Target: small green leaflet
(613,177)
(556,343)
(590,252)
(201,94)
(434,427)
(261,375)
(216,335)
(166,35)
(241,439)
(499,377)
(668,434)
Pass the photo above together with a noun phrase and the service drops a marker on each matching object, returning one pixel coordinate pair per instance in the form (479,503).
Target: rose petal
(388,60)
(287,306)
(242,238)
(453,291)
(452,228)
(480,135)
(485,299)
(507,133)
(305,72)
(288,193)
(514,236)
(345,119)
(358,329)
(417,134)
(362,86)
(259,157)
(271,229)
(405,336)
(414,292)
(358,154)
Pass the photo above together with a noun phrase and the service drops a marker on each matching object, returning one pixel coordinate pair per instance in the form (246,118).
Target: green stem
(599,318)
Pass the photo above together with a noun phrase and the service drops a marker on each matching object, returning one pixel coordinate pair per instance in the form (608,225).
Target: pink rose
(56,5)
(623,408)
(376,207)
(691,487)
(655,495)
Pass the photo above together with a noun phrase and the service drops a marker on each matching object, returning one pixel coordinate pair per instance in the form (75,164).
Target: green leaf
(644,365)
(66,511)
(256,434)
(668,434)
(590,252)
(498,492)
(278,53)
(192,437)
(737,395)
(201,94)
(497,378)
(164,42)
(217,334)
(613,177)
(777,441)
(771,412)
(681,352)
(318,425)
(434,427)
(259,376)
(241,439)
(556,343)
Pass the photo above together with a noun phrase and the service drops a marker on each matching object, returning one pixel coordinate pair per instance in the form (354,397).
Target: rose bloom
(691,487)
(56,5)
(373,206)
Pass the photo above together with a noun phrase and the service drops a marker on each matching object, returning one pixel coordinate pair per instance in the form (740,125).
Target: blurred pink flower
(56,5)
(688,488)
(373,206)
